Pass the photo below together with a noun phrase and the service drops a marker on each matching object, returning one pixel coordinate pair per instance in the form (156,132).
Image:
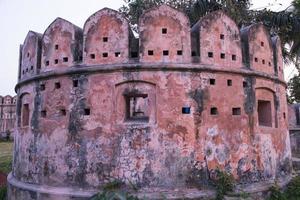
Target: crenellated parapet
(165,36)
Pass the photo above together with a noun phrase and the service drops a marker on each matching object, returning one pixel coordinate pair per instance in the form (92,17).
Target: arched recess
(266,107)
(164,35)
(135,102)
(24,108)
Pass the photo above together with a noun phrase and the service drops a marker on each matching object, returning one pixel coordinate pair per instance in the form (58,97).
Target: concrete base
(18,190)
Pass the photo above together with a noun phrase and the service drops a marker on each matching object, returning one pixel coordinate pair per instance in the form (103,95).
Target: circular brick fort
(161,112)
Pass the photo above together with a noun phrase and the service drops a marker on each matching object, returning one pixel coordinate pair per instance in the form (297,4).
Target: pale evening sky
(17,17)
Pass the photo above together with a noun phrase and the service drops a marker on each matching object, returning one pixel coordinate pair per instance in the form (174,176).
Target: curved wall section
(167,120)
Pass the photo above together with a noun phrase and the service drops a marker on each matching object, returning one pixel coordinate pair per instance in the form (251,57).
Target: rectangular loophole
(56,61)
(75,83)
(233,57)
(31,67)
(179,52)
(264,113)
(117,54)
(212,81)
(25,115)
(263,61)
(87,111)
(56,46)
(105,55)
(165,52)
(105,39)
(245,84)
(229,82)
(262,44)
(65,59)
(47,63)
(236,111)
(255,59)
(43,113)
(63,112)
(222,36)
(222,55)
(42,87)
(186,110)
(164,30)
(150,52)
(213,111)
(57,85)
(92,56)
(270,64)
(210,54)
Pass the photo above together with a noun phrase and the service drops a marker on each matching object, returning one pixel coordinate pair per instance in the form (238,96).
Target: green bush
(293,189)
(3,192)
(224,183)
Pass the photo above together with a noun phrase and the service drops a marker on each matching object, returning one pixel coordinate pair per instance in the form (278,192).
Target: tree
(294,89)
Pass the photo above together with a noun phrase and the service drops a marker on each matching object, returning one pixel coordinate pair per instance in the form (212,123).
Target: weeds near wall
(224,183)
(292,191)
(114,191)
(3,192)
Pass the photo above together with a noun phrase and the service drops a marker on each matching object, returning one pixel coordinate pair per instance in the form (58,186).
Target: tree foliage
(294,89)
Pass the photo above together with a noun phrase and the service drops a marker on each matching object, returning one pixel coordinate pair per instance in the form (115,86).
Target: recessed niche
(28,54)
(245,84)
(222,36)
(65,59)
(56,46)
(210,54)
(256,59)
(212,81)
(229,82)
(263,61)
(236,111)
(150,52)
(47,63)
(25,115)
(194,53)
(213,111)
(262,44)
(179,52)
(136,107)
(264,113)
(56,61)
(164,30)
(105,55)
(31,67)
(165,52)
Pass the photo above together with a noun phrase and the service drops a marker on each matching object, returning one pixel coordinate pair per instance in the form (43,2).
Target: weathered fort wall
(97,104)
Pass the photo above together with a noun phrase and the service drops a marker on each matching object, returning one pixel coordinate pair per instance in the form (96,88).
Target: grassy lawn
(6,150)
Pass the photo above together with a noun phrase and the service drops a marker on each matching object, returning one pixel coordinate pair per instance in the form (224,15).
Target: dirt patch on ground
(2,179)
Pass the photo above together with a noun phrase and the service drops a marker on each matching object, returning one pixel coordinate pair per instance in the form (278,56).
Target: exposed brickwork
(153,119)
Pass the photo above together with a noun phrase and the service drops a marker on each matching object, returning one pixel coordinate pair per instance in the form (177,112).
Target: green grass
(6,150)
